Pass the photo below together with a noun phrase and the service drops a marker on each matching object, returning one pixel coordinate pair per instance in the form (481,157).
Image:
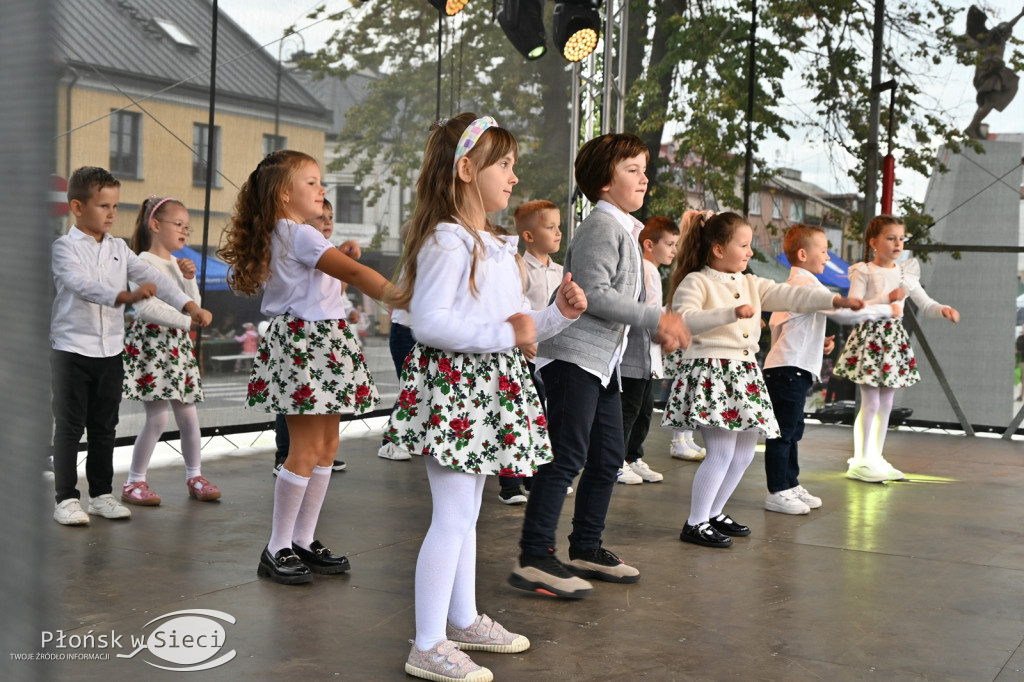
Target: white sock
(743,455)
(885,397)
(721,446)
(156,422)
(446,566)
(304,531)
(863,426)
(289,490)
(679,435)
(187,417)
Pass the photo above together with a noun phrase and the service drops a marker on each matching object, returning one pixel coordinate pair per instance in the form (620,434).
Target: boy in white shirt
(537,224)
(794,364)
(91,270)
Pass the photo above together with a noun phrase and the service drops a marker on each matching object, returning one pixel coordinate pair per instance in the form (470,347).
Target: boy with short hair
(580,369)
(793,365)
(91,270)
(642,363)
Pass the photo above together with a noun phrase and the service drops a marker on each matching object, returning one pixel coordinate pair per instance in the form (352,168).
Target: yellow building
(134,98)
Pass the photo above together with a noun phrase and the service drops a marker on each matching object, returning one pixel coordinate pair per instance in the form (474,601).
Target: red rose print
(752,389)
(455,377)
(541,420)
(435,420)
(362,390)
(851,361)
(132,351)
(886,367)
(444,366)
(913,363)
(503,384)
(732,414)
(303,393)
(152,327)
(510,439)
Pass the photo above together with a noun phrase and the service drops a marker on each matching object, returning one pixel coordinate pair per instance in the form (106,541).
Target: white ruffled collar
(495,246)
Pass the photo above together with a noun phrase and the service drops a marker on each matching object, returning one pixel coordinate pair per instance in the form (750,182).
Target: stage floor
(918,580)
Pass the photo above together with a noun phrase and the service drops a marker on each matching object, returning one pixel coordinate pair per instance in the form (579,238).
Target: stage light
(576,27)
(450,7)
(523,23)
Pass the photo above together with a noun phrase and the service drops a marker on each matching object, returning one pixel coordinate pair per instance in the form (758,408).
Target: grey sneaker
(486,635)
(445,663)
(108,507)
(69,513)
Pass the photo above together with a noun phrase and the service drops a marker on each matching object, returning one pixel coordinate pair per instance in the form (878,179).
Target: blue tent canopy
(835,274)
(216,270)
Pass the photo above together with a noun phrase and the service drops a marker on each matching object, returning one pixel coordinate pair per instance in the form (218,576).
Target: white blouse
(295,285)
(445,315)
(873,284)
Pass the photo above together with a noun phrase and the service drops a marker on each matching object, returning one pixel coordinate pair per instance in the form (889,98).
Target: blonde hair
(259,205)
(528,213)
(440,194)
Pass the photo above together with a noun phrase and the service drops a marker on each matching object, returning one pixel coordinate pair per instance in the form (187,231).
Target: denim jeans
(585,426)
(637,406)
(787,387)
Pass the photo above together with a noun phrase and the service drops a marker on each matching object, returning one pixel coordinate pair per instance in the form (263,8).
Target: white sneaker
(392,451)
(645,472)
(786,502)
(69,513)
(109,508)
(686,449)
(628,476)
(865,472)
(807,498)
(891,472)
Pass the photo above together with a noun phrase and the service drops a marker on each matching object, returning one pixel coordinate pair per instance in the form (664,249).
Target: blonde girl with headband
(160,366)
(878,355)
(467,402)
(719,388)
(308,366)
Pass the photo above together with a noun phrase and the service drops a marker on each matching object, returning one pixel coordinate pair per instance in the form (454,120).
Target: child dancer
(308,366)
(160,365)
(467,401)
(794,363)
(878,355)
(720,390)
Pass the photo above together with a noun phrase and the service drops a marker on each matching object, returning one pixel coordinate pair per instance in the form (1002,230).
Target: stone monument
(995,83)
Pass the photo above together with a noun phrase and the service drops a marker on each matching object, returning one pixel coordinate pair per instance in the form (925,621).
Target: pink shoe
(140,494)
(201,489)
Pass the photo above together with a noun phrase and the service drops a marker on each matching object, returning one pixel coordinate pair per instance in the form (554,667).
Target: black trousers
(637,407)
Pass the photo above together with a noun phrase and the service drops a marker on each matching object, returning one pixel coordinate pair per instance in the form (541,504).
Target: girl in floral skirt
(878,355)
(308,366)
(719,388)
(467,402)
(160,365)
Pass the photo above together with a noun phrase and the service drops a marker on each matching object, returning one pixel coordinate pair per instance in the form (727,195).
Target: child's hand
(530,352)
(951,314)
(188,268)
(145,290)
(672,332)
(353,317)
(744,312)
(897,294)
(830,344)
(526,331)
(571,300)
(351,249)
(200,316)
(897,310)
(851,303)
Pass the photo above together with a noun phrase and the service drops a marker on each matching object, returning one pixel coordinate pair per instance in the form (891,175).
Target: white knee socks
(288,493)
(304,531)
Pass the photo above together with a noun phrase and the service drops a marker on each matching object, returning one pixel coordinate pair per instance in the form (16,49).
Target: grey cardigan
(603,261)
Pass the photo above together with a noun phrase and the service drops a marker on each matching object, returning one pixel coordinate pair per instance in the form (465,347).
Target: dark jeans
(637,406)
(787,387)
(86,397)
(585,426)
(400,343)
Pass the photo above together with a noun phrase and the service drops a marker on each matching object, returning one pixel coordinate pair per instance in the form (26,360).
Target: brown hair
(142,238)
(87,180)
(799,236)
(701,232)
(440,193)
(259,205)
(527,214)
(655,228)
(875,227)
(595,162)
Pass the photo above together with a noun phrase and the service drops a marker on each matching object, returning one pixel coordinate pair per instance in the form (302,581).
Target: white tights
(446,567)
(187,417)
(729,453)
(871,424)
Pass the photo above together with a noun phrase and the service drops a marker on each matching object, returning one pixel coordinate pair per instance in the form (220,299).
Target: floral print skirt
(160,364)
(878,353)
(474,412)
(305,367)
(727,394)
(673,363)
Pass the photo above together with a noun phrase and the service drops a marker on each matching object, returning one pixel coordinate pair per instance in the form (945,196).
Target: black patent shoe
(726,526)
(319,559)
(704,534)
(283,567)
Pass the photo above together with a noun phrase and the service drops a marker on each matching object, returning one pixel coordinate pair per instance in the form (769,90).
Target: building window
(796,211)
(124,143)
(755,203)
(199,139)
(776,247)
(776,207)
(348,205)
(273,143)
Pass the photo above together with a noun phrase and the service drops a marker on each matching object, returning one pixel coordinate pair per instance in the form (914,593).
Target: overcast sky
(266,19)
